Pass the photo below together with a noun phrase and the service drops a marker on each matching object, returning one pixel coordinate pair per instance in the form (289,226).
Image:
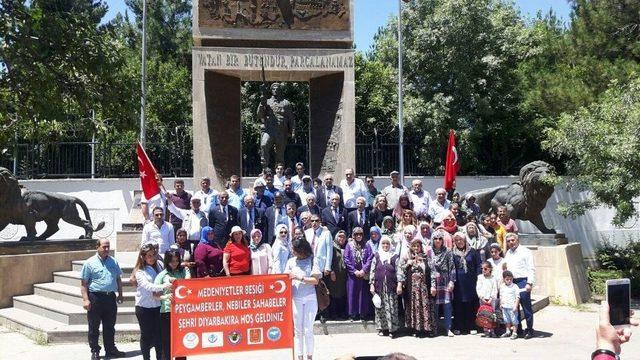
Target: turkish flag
(452,163)
(148,174)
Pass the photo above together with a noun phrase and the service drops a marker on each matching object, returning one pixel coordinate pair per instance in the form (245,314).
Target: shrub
(616,261)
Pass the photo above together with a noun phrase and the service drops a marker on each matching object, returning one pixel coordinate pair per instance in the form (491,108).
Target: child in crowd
(509,301)
(487,289)
(496,261)
(173,269)
(384,283)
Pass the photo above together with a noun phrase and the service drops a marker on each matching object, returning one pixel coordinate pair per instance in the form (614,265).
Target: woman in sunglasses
(444,272)
(357,260)
(281,249)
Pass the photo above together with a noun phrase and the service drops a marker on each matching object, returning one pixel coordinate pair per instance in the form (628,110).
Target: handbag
(322,295)
(486,317)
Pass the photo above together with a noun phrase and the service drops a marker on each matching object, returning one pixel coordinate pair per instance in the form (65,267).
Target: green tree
(461,58)
(601,145)
(58,62)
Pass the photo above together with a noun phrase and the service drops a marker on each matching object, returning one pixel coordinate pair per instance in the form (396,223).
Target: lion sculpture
(23,207)
(525,199)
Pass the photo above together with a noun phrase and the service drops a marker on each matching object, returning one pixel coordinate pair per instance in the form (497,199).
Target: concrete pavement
(563,333)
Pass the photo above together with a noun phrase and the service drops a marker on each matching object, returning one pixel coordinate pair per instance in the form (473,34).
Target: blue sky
(369,18)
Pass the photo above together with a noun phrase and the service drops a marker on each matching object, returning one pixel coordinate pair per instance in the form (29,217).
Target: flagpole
(143,100)
(400,120)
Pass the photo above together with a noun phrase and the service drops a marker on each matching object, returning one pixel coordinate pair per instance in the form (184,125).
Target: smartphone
(619,299)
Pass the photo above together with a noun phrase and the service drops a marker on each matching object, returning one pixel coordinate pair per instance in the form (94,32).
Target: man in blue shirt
(100,280)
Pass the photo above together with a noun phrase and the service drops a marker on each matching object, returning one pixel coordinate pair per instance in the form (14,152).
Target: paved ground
(564,333)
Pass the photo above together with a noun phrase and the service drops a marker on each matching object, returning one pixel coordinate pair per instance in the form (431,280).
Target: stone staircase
(54,312)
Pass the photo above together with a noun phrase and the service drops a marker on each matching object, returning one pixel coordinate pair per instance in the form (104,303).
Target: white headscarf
(385,255)
(284,239)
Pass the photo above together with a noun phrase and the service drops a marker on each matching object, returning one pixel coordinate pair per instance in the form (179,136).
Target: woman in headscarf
(404,203)
(338,284)
(419,280)
(379,211)
(383,280)
(374,239)
(208,255)
(465,299)
(281,250)
(388,226)
(261,257)
(356,260)
(444,272)
(424,235)
(449,223)
(403,244)
(477,241)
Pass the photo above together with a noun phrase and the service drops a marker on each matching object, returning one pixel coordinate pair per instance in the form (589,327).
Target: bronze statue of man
(278,124)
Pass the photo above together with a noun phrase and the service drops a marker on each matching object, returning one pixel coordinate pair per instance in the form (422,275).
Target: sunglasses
(283,232)
(438,238)
(369,181)
(315,220)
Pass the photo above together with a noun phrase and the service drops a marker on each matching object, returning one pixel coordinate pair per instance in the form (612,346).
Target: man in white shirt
(519,260)
(158,232)
(438,207)
(306,189)
(393,191)
(279,178)
(193,220)
(208,196)
(421,199)
(352,189)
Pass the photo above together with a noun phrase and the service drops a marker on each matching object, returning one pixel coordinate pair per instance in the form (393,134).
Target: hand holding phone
(618,295)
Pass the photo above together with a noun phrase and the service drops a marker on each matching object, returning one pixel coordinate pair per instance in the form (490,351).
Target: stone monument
(305,40)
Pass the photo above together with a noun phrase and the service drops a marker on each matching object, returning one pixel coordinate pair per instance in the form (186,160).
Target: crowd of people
(397,255)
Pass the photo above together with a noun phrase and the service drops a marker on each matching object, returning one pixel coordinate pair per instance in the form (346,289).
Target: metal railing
(109,160)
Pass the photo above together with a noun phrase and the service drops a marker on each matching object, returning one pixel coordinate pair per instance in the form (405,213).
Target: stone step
(126,268)
(73,278)
(44,330)
(72,294)
(64,312)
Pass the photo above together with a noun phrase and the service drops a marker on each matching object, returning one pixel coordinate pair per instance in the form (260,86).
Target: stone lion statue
(23,207)
(525,199)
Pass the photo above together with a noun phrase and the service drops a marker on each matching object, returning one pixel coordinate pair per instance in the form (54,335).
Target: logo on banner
(274,333)
(254,336)
(212,339)
(190,340)
(234,337)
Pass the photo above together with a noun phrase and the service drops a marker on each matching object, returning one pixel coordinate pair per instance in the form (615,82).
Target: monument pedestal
(560,271)
(543,239)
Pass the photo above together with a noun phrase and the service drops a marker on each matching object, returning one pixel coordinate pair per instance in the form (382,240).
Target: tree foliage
(602,143)
(58,63)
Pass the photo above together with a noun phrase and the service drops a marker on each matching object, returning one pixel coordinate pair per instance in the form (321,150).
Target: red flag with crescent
(452,163)
(148,174)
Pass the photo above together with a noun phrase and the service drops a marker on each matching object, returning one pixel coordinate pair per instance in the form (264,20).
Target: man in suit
(311,206)
(324,193)
(291,220)
(359,217)
(274,215)
(334,217)
(251,217)
(321,244)
(222,218)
